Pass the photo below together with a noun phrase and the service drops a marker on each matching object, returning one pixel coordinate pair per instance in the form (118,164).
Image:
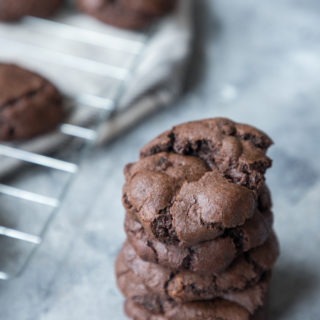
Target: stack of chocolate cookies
(199,225)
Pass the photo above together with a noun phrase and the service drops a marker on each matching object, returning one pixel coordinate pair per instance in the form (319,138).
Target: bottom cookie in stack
(212,310)
(155,289)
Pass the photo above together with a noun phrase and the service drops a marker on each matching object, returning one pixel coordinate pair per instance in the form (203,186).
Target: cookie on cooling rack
(154,7)
(127,14)
(29,104)
(16,9)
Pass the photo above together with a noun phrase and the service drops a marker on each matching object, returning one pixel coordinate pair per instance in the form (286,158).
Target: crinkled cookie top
(196,180)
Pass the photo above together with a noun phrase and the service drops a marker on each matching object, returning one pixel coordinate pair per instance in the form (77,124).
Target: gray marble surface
(256,62)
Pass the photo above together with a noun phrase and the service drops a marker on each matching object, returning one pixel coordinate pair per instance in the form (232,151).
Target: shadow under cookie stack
(199,225)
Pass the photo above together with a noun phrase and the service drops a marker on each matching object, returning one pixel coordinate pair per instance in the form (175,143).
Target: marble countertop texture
(255,61)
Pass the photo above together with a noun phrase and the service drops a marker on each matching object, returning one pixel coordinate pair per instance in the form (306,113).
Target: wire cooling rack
(91,64)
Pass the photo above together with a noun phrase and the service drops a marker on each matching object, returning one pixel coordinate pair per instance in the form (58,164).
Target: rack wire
(70,51)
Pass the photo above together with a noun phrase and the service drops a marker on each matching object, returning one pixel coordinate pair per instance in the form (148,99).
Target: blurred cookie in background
(11,10)
(127,14)
(29,104)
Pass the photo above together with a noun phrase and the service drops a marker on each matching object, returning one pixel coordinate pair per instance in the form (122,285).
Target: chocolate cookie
(154,7)
(110,12)
(183,199)
(29,104)
(213,310)
(212,256)
(245,282)
(128,14)
(16,9)
(237,150)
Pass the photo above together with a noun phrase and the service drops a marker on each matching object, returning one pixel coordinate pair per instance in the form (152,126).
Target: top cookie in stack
(199,222)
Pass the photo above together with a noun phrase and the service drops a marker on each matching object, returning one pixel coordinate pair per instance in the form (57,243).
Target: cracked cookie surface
(212,256)
(237,150)
(29,104)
